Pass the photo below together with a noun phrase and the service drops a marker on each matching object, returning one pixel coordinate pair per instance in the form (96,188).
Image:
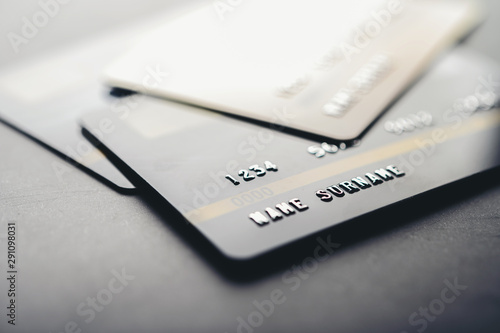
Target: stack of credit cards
(266,122)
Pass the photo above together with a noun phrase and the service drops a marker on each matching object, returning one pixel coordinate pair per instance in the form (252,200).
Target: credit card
(53,122)
(44,97)
(334,65)
(250,189)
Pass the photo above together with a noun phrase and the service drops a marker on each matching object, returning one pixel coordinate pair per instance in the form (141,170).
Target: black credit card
(250,189)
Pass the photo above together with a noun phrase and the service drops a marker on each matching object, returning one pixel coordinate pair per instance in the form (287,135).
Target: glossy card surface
(250,189)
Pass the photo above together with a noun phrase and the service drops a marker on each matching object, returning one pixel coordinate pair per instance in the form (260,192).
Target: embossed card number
(253,170)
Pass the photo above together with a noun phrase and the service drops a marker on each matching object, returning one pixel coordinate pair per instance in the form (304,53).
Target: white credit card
(332,66)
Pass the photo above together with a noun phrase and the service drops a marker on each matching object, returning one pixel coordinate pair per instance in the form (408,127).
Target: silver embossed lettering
(374,179)
(348,187)
(384,174)
(285,208)
(273,214)
(295,202)
(360,182)
(259,218)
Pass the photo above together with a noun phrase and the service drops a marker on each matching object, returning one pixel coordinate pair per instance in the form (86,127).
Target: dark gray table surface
(75,234)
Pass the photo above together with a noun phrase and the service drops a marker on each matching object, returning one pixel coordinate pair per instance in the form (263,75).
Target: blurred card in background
(44,92)
(333,65)
(44,96)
